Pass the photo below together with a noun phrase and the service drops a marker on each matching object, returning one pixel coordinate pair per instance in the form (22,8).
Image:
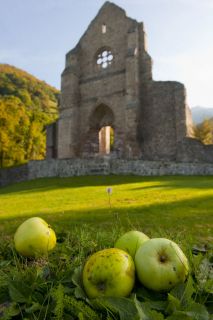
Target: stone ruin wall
(151,119)
(99,166)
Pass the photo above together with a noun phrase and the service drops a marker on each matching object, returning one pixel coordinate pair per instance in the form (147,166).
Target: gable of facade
(107,90)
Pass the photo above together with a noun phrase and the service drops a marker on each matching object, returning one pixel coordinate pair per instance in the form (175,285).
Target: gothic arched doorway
(100,137)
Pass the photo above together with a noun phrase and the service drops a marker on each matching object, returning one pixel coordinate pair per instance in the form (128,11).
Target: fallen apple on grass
(131,241)
(161,264)
(34,237)
(109,273)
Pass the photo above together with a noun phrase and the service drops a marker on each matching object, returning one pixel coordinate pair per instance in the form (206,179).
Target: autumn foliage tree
(204,131)
(14,124)
(27,105)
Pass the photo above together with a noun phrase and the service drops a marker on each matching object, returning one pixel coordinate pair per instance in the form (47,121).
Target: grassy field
(181,207)
(87,219)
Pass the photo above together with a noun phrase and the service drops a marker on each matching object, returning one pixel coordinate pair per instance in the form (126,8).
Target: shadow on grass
(191,218)
(48,184)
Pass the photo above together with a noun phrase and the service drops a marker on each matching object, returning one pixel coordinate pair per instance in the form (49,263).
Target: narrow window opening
(103,28)
(106,140)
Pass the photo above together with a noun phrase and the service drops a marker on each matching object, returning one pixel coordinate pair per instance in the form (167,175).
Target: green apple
(161,264)
(109,273)
(34,237)
(131,241)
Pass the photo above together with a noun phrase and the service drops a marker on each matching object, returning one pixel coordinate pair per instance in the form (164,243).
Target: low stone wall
(100,166)
(190,149)
(15,174)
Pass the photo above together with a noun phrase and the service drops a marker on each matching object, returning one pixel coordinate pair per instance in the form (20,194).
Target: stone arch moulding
(101,116)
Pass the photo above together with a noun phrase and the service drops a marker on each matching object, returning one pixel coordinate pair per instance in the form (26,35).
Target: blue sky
(36,34)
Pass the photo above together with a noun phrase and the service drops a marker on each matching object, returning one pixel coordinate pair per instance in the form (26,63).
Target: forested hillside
(27,105)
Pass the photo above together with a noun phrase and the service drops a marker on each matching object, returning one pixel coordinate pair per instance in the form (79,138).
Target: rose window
(104,59)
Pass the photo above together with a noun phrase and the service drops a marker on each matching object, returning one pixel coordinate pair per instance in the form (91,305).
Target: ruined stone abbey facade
(111,105)
(113,117)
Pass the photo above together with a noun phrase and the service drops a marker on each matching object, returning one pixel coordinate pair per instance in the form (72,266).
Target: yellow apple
(109,273)
(34,237)
(131,241)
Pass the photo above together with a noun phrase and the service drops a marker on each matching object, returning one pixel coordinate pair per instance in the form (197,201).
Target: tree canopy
(204,131)
(27,106)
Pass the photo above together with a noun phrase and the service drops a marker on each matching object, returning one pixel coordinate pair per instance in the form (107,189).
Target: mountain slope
(32,92)
(27,105)
(199,114)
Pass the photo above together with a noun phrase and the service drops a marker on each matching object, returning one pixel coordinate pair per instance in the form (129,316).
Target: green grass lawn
(87,220)
(173,206)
